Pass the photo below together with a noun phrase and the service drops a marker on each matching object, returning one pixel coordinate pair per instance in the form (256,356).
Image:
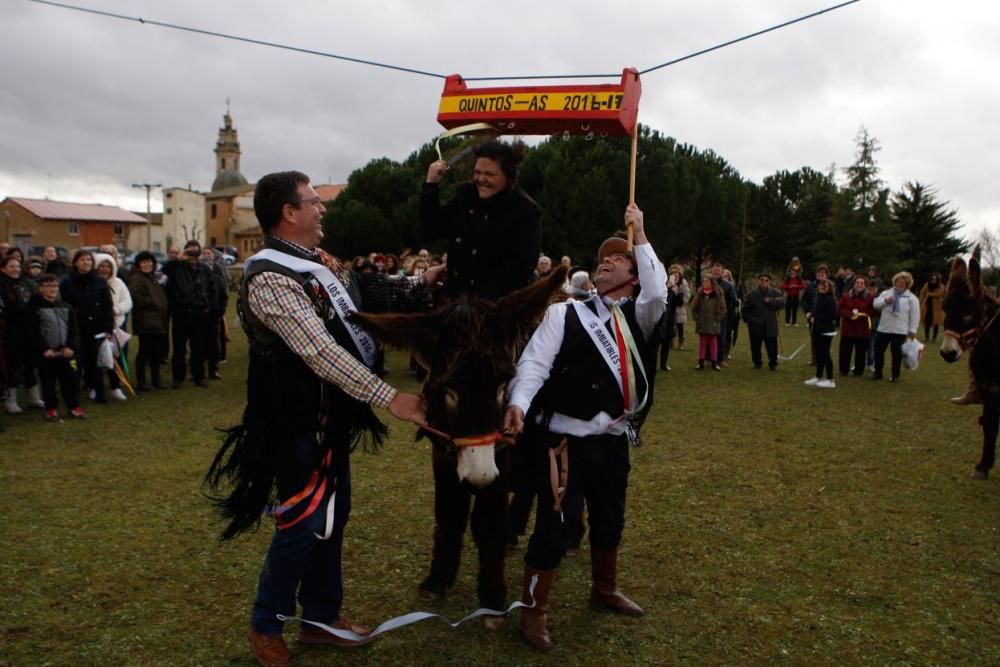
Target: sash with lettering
(341,300)
(620,353)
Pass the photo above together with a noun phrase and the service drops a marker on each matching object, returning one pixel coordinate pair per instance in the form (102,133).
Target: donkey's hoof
(428,596)
(980,474)
(494,622)
(431,589)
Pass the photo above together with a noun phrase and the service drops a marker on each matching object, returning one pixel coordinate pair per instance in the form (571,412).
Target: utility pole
(149,215)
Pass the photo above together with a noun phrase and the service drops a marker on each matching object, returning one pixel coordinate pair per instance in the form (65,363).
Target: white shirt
(535,365)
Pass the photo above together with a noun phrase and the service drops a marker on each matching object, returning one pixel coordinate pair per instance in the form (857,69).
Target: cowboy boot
(971,395)
(533,621)
(605,593)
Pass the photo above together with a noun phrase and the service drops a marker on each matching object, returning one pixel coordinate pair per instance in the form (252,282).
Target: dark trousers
(59,371)
(722,347)
(188,328)
(213,342)
(770,344)
(665,344)
(152,349)
(928,323)
(791,309)
(298,560)
(857,346)
(824,361)
(895,343)
(87,362)
(598,474)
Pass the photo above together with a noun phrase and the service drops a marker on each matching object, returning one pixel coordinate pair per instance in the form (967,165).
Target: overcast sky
(90,105)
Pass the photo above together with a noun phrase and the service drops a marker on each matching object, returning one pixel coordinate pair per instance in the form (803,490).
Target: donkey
(970,322)
(469,348)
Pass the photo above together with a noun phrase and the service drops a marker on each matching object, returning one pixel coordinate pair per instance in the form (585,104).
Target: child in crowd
(708,308)
(54,329)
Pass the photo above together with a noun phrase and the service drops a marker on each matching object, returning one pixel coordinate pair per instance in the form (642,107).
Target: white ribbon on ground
(414,617)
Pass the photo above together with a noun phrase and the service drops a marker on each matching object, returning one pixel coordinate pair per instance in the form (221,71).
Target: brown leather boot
(971,395)
(605,593)
(533,621)
(270,650)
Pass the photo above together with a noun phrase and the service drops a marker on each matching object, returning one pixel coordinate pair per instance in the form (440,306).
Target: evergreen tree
(929,229)
(861,230)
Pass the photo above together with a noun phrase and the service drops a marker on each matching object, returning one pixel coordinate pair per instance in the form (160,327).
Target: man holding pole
(582,381)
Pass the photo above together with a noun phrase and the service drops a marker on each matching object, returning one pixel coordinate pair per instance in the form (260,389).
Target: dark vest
(580,384)
(292,417)
(283,394)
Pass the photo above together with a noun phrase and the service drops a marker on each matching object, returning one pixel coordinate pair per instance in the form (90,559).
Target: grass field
(769,523)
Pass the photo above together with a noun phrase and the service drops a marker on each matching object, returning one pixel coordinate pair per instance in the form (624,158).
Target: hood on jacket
(104,257)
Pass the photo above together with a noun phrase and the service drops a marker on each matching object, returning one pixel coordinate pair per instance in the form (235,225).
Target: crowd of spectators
(57,316)
(66,326)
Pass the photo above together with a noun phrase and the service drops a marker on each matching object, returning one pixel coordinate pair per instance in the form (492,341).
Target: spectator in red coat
(792,286)
(856,312)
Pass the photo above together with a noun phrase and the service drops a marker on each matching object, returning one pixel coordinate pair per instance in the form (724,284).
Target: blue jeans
(298,560)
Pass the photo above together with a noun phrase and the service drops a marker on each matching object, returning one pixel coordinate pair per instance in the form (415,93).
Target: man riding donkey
(311,386)
(582,382)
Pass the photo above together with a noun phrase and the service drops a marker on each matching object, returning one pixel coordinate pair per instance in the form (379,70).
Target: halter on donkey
(971,323)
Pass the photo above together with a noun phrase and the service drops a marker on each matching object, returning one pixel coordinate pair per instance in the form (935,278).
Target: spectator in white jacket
(121,302)
(900,319)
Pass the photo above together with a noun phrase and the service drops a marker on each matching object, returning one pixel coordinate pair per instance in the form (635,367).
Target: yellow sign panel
(540,101)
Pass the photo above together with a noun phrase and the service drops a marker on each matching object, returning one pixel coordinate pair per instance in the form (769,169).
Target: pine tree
(929,229)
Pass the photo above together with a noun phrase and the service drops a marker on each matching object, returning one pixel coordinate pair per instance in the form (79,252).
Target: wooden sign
(604,109)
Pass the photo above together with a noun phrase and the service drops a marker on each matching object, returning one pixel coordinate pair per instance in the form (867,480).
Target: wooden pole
(631,178)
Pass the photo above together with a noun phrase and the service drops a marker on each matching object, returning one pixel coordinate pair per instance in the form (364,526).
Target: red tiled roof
(329,192)
(58,210)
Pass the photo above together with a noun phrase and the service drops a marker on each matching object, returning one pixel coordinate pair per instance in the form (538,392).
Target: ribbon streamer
(414,617)
(461,129)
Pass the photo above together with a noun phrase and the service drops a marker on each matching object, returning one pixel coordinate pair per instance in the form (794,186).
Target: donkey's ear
(407,331)
(975,277)
(958,276)
(518,313)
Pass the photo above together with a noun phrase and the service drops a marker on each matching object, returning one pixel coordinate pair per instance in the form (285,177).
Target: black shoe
(757,367)
(893,378)
(176,384)
(877,376)
(772,367)
(715,367)
(215,375)
(700,366)
(201,383)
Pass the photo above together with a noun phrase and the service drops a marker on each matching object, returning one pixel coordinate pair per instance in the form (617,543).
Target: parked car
(129,261)
(39,250)
(229,250)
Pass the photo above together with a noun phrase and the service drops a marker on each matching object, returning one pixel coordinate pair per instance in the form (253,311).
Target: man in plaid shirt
(311,385)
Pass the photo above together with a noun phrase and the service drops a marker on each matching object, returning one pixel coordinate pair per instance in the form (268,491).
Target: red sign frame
(602,109)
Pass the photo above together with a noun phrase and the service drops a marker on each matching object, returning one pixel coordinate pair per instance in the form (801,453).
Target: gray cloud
(94,104)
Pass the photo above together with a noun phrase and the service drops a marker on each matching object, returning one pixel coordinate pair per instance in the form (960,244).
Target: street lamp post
(149,215)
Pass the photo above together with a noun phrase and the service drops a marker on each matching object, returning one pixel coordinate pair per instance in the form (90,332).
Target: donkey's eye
(451,400)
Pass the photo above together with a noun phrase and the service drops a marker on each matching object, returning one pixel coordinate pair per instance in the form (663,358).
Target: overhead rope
(373,63)
(237,38)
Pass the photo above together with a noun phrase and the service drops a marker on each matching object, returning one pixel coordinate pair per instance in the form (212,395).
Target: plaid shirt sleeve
(283,307)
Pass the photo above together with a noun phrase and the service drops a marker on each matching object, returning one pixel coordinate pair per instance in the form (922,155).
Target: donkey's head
(962,307)
(469,348)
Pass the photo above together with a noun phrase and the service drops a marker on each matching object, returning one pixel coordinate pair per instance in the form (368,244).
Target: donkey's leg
(991,423)
(451,515)
(489,530)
